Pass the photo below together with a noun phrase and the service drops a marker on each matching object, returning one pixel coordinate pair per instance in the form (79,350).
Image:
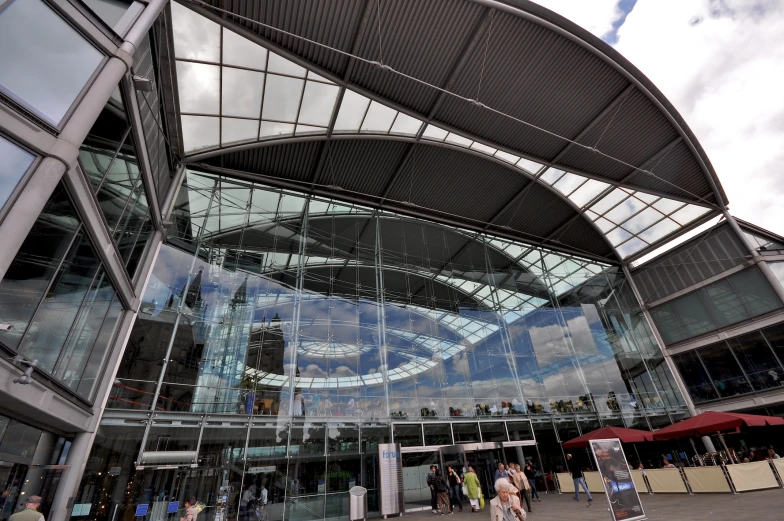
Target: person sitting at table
(772,454)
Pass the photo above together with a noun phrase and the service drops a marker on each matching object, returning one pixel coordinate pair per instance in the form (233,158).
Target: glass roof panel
(318,103)
(609,200)
(242,52)
(405,125)
(688,213)
(659,230)
(242,92)
(484,148)
(569,183)
(617,236)
(624,210)
(199,132)
(281,65)
(307,129)
(642,220)
(457,139)
(238,130)
(379,118)
(281,98)
(434,133)
(551,175)
(646,198)
(505,156)
(528,165)
(199,86)
(273,128)
(315,77)
(587,192)
(352,112)
(195,37)
(667,206)
(631,246)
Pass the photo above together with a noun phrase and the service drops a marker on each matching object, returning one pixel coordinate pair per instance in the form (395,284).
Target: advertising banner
(390,467)
(617,479)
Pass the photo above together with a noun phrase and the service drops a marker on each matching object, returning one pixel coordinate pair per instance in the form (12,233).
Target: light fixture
(27,376)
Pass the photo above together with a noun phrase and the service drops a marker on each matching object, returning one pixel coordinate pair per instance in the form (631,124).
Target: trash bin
(357,503)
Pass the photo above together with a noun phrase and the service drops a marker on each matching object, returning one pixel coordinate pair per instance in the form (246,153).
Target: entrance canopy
(625,435)
(712,422)
(506,119)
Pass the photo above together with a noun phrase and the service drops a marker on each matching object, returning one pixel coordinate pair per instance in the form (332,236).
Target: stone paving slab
(765,505)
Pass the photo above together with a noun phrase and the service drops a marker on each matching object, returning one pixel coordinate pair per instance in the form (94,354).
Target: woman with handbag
(505,506)
(473,490)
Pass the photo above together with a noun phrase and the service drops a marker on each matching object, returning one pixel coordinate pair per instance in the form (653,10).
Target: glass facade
(14,164)
(108,158)
(292,334)
(59,300)
(742,365)
(45,63)
(738,297)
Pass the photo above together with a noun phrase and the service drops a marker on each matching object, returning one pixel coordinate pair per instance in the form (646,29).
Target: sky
(721,64)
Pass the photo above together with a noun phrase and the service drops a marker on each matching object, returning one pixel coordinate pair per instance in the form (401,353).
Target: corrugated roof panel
(289,161)
(363,166)
(452,181)
(678,174)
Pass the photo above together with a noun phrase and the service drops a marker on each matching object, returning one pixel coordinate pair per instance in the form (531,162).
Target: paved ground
(766,505)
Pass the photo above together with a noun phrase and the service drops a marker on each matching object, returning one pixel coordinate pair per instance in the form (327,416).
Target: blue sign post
(174,506)
(141,510)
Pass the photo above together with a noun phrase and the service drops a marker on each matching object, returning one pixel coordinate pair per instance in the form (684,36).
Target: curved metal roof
(499,117)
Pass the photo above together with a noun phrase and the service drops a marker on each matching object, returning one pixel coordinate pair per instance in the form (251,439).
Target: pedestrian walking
(455,489)
(505,506)
(431,482)
(442,491)
(190,510)
(521,483)
(530,474)
(577,478)
(30,512)
(473,489)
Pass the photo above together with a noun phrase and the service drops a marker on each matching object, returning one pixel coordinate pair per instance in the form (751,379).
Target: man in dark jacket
(431,482)
(577,478)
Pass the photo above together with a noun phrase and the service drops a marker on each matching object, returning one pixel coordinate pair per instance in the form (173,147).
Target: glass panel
(754,291)
(465,432)
(405,125)
(195,37)
(110,11)
(318,102)
(528,165)
(520,431)
(282,98)
(624,210)
(688,213)
(493,431)
(728,378)
(352,112)
(47,333)
(14,162)
(434,133)
(659,230)
(379,118)
(408,435)
(242,52)
(283,66)
(45,63)
(199,132)
(438,434)
(642,220)
(587,192)
(34,267)
(241,93)
(273,128)
(238,130)
(609,201)
(723,303)
(695,316)
(758,361)
(569,183)
(199,87)
(509,158)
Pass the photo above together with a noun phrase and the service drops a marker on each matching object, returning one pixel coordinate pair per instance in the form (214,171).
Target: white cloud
(721,64)
(597,16)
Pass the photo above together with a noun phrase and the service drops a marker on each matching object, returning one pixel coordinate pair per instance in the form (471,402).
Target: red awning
(625,435)
(711,422)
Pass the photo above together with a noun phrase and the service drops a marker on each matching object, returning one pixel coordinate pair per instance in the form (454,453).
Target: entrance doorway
(483,457)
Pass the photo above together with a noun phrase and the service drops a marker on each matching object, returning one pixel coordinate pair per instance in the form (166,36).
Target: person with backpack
(442,493)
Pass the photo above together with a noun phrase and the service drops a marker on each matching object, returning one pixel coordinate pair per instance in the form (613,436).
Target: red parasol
(625,435)
(711,422)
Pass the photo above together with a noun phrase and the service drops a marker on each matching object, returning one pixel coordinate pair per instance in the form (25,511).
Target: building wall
(78,225)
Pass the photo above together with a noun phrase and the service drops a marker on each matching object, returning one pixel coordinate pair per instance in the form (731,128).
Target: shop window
(695,377)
